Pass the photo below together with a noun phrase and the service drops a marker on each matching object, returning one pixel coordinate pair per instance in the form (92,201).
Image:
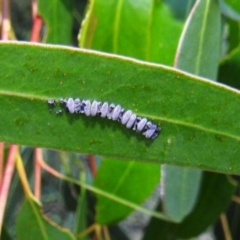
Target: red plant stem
(92,165)
(5,20)
(1,161)
(37,173)
(50,169)
(8,173)
(36,29)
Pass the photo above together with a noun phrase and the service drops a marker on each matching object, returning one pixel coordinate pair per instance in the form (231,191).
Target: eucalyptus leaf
(198,130)
(204,23)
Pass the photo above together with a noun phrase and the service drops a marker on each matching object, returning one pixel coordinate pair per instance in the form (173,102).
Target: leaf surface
(193,54)
(181,187)
(216,189)
(229,69)
(139,29)
(132,181)
(59,20)
(197,130)
(30,222)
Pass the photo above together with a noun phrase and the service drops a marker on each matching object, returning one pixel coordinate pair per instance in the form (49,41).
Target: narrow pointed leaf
(200,55)
(197,130)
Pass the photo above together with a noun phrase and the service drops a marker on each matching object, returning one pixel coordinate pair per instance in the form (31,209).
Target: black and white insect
(111,111)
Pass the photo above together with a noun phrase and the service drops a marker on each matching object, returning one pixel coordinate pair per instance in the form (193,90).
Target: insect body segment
(111,111)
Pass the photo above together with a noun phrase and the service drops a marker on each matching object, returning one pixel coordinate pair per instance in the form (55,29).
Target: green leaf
(229,70)
(216,190)
(180,9)
(59,20)
(31,224)
(4,234)
(204,23)
(228,11)
(197,130)
(129,181)
(139,30)
(180,186)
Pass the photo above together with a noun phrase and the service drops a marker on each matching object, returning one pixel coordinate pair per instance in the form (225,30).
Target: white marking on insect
(77,105)
(70,105)
(110,110)
(104,110)
(87,108)
(116,112)
(149,133)
(131,120)
(94,108)
(126,116)
(141,124)
(151,130)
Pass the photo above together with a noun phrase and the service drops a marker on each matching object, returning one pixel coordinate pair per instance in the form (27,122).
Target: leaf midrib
(201,40)
(173,121)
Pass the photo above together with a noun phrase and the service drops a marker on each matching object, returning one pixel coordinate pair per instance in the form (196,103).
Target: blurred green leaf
(31,224)
(197,130)
(181,187)
(232,35)
(200,55)
(59,20)
(180,8)
(228,11)
(132,181)
(138,29)
(229,70)
(216,190)
(230,8)
(4,234)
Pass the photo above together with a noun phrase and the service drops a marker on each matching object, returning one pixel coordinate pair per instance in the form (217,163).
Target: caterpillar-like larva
(111,111)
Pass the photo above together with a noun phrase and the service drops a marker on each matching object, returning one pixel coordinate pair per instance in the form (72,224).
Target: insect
(111,111)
